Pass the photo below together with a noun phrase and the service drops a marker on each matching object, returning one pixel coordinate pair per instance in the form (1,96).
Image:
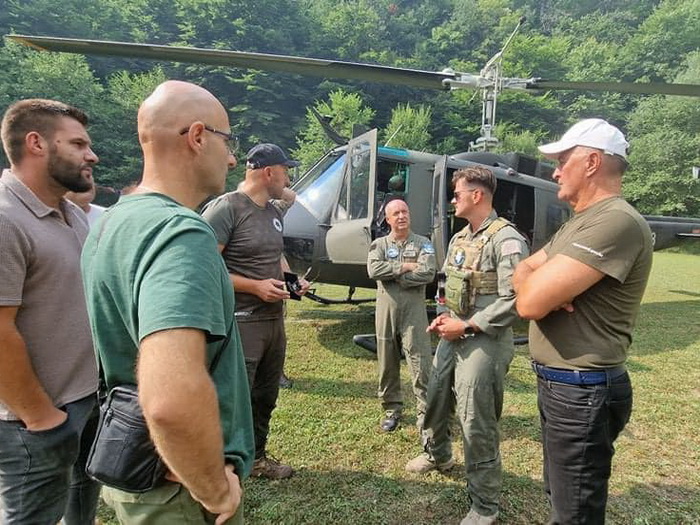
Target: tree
(665,145)
(408,128)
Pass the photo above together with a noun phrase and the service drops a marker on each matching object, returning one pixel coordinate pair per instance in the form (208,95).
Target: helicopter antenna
(386,144)
(492,85)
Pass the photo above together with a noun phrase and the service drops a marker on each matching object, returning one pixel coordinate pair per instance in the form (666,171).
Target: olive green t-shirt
(149,265)
(613,238)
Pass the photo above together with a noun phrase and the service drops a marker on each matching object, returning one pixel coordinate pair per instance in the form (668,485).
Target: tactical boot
(424,463)
(270,468)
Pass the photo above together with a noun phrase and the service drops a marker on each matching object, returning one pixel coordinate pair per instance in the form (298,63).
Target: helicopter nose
(301,233)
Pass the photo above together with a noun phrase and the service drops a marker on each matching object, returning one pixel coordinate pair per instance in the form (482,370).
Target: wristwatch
(468,331)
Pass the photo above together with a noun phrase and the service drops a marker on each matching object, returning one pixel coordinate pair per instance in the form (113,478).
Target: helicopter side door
(349,235)
(440,222)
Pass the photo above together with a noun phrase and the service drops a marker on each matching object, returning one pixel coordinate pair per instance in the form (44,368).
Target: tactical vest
(464,280)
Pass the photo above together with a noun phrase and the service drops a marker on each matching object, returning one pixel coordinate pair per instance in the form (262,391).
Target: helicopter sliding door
(349,234)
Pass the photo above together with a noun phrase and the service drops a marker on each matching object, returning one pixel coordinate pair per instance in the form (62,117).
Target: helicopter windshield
(318,190)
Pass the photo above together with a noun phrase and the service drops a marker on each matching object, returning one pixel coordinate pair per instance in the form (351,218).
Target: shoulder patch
(429,248)
(511,247)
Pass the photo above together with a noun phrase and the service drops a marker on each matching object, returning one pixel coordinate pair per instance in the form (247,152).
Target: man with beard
(248,228)
(48,377)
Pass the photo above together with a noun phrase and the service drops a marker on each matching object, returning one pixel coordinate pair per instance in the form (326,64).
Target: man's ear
(594,160)
(36,144)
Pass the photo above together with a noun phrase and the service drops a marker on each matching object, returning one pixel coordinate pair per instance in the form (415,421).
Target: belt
(578,377)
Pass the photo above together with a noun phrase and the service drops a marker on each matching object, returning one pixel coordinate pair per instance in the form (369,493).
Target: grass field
(348,471)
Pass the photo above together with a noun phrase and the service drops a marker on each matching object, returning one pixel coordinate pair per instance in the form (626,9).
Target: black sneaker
(285,382)
(390,421)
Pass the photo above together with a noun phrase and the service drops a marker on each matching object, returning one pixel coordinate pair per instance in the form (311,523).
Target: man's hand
(409,267)
(52,418)
(450,328)
(271,290)
(433,327)
(305,285)
(227,503)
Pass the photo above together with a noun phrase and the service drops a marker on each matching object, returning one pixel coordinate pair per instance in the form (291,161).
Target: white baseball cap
(592,133)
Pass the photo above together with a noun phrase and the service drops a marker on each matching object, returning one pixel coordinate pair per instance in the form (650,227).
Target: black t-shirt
(253,245)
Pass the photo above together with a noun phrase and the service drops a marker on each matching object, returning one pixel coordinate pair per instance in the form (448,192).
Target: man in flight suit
(477,339)
(402,263)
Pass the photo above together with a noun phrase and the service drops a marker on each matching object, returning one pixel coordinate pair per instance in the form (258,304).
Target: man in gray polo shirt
(48,377)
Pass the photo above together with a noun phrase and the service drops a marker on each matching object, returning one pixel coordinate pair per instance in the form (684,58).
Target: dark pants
(264,347)
(42,474)
(579,426)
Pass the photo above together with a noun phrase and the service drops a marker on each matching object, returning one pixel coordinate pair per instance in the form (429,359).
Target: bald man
(162,314)
(402,263)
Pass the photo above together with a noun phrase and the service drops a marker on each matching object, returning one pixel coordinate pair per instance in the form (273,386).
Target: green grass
(326,426)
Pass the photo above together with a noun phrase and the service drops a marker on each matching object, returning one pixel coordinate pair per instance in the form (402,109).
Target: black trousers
(579,426)
(264,347)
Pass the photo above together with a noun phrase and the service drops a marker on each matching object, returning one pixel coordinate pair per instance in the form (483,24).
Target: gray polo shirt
(40,273)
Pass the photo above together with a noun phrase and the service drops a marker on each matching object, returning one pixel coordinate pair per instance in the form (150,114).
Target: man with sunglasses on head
(582,293)
(248,228)
(476,341)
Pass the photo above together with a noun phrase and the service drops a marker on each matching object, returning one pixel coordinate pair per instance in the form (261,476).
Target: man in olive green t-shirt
(161,308)
(582,292)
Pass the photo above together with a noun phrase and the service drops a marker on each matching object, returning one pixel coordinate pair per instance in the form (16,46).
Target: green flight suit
(401,319)
(480,363)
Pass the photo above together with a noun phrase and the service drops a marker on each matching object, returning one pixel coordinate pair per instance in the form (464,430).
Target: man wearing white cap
(582,292)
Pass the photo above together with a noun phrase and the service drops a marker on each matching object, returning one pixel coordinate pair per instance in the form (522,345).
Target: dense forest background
(582,40)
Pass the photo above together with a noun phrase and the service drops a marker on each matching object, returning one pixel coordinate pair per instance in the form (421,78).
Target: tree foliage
(582,40)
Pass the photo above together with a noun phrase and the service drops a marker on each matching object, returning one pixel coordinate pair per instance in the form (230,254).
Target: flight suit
(487,258)
(401,319)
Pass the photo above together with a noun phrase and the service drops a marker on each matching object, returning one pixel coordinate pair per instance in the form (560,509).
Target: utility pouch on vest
(123,455)
(458,290)
(485,283)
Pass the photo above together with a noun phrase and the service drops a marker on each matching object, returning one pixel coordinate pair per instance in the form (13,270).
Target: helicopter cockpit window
(353,202)
(318,190)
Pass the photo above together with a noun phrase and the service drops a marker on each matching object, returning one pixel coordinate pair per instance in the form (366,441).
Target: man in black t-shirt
(248,228)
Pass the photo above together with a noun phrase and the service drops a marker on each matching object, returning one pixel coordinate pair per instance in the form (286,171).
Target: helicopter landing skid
(348,300)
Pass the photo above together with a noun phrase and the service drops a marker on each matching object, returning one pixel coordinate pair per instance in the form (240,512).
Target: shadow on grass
(335,388)
(342,496)
(519,427)
(673,505)
(666,326)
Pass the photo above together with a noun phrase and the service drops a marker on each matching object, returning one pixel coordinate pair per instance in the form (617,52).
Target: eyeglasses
(230,138)
(458,194)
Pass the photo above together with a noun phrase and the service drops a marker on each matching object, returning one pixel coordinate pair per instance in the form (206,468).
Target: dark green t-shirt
(613,238)
(151,265)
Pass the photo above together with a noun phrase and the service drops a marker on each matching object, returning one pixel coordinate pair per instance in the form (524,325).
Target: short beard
(66,174)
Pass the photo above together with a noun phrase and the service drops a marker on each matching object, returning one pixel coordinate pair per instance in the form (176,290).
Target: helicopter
(340,200)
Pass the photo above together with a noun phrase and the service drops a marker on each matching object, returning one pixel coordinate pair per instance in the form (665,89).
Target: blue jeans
(42,474)
(579,426)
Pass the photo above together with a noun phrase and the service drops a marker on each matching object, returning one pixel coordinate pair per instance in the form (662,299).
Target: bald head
(173,106)
(398,218)
(184,133)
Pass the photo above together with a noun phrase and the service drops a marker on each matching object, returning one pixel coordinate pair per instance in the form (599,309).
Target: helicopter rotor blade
(219,57)
(446,79)
(689,90)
